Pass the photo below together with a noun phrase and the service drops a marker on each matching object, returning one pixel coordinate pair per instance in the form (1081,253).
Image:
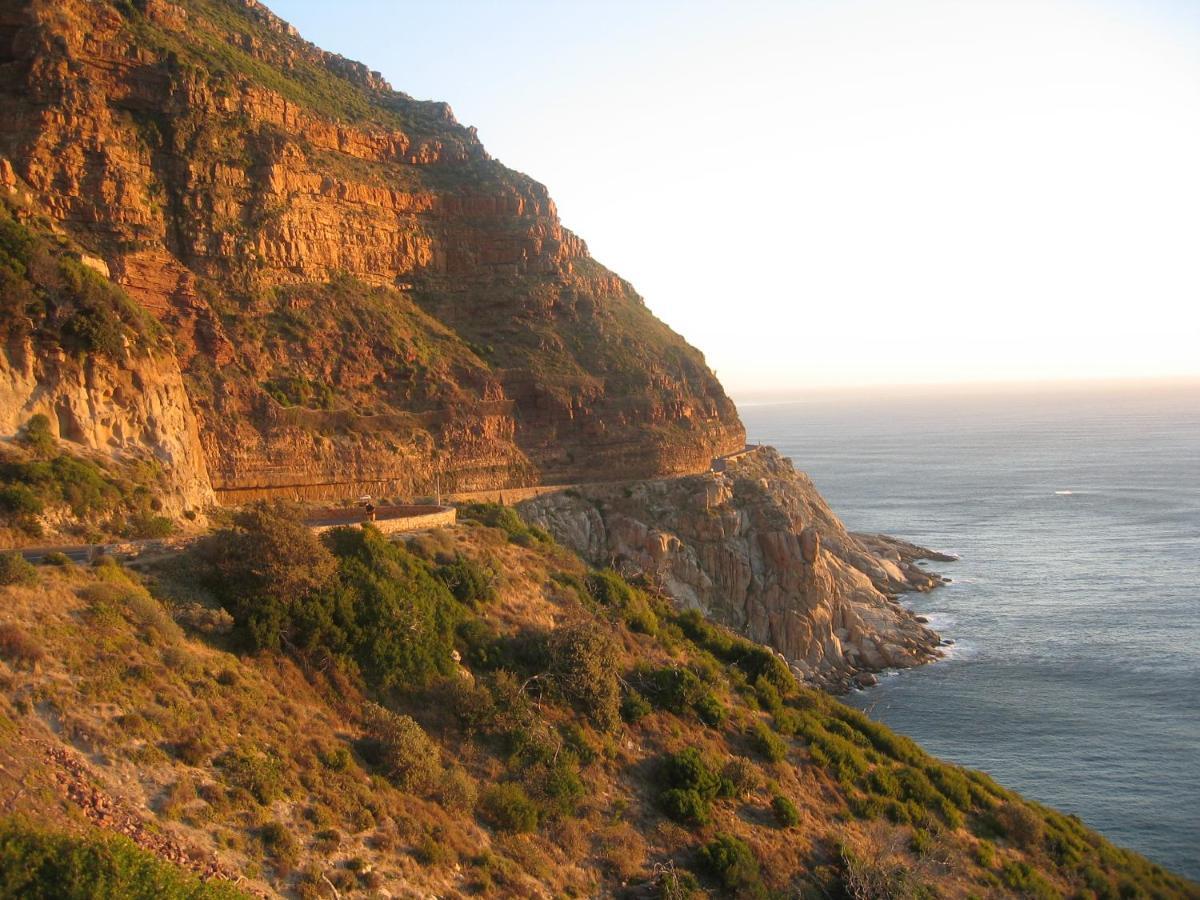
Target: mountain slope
(358,297)
(549,731)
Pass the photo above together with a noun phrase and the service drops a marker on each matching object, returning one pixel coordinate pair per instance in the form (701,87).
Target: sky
(845,192)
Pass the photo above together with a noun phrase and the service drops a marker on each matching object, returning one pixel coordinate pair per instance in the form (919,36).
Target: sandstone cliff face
(756,547)
(131,411)
(358,297)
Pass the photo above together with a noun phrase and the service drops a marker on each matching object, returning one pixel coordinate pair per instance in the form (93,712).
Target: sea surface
(1075,606)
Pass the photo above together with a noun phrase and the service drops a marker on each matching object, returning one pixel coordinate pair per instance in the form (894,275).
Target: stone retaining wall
(394,519)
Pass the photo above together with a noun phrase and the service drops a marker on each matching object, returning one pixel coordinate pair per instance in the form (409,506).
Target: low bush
(710,710)
(14,569)
(18,647)
(731,863)
(507,807)
(457,790)
(468,581)
(36,435)
(743,776)
(203,619)
(507,520)
(354,596)
(767,743)
(674,688)
(401,749)
(609,589)
(634,706)
(786,813)
(1020,824)
(583,663)
(690,784)
(37,863)
(1028,882)
(281,846)
(686,806)
(260,774)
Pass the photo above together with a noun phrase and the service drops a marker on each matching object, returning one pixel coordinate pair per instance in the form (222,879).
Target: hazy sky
(847,191)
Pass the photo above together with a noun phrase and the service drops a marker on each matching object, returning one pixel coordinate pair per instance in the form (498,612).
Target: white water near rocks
(1075,673)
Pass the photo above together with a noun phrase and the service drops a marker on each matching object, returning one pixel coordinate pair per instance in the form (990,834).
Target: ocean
(1075,606)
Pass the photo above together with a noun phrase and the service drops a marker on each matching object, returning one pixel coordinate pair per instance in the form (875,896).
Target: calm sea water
(1075,678)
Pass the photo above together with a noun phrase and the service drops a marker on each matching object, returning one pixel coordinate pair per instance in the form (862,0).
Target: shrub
(203,619)
(1021,877)
(56,559)
(149,614)
(686,806)
(36,435)
(401,749)
(767,695)
(147,526)
(583,662)
(18,647)
(281,845)
(191,750)
(768,743)
(259,773)
(354,596)
(609,589)
(710,710)
(786,813)
(96,866)
(952,783)
(20,504)
(752,659)
(728,860)
(508,808)
(470,582)
(674,689)
(743,776)
(1019,824)
(506,519)
(673,884)
(457,790)
(14,569)
(634,706)
(264,568)
(690,785)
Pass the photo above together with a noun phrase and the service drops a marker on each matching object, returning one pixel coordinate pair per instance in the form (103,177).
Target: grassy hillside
(475,713)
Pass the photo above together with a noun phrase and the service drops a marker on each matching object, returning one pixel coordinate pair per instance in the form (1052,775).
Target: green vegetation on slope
(36,863)
(102,497)
(47,294)
(334,734)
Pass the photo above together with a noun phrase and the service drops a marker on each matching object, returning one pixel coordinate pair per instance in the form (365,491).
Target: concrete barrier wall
(393,519)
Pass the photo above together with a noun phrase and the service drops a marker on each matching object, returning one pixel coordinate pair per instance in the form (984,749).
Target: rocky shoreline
(756,547)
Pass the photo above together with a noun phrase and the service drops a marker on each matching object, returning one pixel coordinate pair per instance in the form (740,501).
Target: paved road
(82,553)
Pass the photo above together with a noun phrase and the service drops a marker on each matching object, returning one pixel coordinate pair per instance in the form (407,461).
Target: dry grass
(94,662)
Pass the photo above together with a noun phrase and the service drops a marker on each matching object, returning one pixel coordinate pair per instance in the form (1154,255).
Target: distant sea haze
(1075,608)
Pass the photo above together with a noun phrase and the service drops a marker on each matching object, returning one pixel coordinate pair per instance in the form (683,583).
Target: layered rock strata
(360,300)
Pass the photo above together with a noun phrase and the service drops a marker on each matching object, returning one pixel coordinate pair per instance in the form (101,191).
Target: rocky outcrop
(757,548)
(359,298)
(133,411)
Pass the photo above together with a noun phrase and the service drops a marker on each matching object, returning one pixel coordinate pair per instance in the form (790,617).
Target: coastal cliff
(754,546)
(358,298)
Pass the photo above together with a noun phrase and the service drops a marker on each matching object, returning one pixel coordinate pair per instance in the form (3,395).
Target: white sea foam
(940,620)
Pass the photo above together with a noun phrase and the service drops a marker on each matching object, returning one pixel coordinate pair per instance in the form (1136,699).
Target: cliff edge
(755,547)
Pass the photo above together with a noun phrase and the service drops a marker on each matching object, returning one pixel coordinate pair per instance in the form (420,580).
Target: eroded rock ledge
(756,547)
